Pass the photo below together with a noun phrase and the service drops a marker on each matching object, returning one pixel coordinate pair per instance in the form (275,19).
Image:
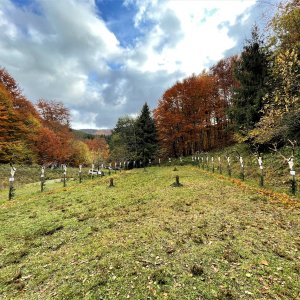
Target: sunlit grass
(212,238)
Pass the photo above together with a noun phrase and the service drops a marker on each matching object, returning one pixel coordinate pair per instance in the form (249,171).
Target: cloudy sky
(105,58)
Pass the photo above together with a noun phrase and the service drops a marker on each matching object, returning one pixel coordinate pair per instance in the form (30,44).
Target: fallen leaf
(264,262)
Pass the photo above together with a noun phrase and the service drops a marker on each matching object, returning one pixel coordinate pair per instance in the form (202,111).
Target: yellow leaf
(264,262)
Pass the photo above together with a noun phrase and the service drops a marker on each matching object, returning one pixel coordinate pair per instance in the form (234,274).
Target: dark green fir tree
(251,71)
(146,137)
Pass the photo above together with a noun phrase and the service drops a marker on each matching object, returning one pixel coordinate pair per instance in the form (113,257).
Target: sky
(105,58)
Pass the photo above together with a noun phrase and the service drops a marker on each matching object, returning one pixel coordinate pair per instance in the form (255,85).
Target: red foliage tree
(56,118)
(190,115)
(48,146)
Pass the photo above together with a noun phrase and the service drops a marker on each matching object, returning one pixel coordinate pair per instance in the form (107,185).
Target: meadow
(213,238)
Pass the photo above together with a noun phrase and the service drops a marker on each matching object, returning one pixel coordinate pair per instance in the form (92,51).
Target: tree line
(251,97)
(40,133)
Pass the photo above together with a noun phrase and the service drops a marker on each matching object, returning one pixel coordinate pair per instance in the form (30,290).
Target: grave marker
(80,173)
(12,190)
(65,174)
(42,178)
(290,162)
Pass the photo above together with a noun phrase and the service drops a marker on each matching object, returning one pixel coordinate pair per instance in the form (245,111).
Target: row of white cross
(290,162)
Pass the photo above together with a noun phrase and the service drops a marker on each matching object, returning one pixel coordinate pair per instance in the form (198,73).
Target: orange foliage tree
(190,116)
(23,118)
(99,149)
(56,118)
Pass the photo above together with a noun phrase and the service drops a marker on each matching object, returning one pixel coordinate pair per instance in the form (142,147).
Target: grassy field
(212,238)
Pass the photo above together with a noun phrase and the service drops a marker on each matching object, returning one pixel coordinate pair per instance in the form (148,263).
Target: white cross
(42,171)
(13,171)
(241,162)
(260,162)
(291,163)
(65,169)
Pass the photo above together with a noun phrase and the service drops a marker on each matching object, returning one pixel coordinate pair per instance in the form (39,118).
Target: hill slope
(97,131)
(143,239)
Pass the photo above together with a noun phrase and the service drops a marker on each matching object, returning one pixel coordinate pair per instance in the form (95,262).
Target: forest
(252,97)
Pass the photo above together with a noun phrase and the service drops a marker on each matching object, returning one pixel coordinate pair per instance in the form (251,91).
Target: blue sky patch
(119,19)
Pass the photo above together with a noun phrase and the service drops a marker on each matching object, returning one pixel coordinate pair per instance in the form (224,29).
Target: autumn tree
(23,110)
(223,71)
(56,117)
(282,102)
(191,116)
(81,153)
(54,114)
(48,146)
(99,150)
(12,130)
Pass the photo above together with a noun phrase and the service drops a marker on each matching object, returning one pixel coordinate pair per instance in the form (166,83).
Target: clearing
(212,238)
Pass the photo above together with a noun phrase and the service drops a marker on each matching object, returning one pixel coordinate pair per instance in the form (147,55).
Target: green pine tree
(251,73)
(146,137)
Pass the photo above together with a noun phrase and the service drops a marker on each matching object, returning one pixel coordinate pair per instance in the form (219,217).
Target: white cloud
(201,39)
(63,50)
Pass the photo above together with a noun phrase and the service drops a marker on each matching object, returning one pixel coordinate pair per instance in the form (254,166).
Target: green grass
(143,239)
(276,172)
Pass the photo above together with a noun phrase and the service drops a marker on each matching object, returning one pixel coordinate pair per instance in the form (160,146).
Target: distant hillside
(97,131)
(82,135)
